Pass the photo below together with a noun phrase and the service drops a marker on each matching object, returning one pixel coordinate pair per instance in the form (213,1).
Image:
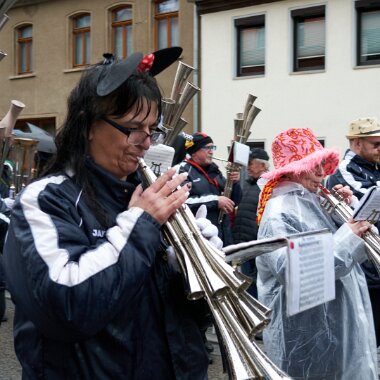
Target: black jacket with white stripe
(93,301)
(360,175)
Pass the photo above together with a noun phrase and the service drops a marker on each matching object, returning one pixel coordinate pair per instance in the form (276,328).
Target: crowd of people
(100,295)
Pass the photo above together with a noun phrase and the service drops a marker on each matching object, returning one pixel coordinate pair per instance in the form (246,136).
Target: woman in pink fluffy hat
(334,340)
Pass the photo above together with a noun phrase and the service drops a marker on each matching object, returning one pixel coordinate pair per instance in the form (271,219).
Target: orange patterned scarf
(264,197)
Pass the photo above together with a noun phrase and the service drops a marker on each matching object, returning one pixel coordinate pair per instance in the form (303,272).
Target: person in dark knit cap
(207,188)
(208,184)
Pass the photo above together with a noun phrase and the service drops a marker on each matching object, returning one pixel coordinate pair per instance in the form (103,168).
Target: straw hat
(364,127)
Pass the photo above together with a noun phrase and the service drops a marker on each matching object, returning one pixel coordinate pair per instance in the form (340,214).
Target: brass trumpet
(238,316)
(333,202)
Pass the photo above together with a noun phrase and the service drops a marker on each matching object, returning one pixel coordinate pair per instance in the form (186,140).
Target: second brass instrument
(333,202)
(242,130)
(238,316)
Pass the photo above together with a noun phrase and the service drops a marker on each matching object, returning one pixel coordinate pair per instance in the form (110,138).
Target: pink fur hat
(297,150)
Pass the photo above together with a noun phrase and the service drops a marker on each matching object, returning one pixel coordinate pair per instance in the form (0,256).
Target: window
(24,49)
(122,31)
(309,38)
(250,33)
(368,32)
(256,144)
(166,23)
(81,40)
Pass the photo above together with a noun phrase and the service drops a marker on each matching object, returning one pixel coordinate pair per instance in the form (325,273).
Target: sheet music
(368,207)
(310,278)
(240,153)
(159,158)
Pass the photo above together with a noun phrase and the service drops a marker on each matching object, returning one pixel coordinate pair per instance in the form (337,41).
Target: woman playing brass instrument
(334,340)
(95,295)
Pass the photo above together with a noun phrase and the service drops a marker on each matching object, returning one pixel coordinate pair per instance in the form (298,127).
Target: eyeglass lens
(137,137)
(211,147)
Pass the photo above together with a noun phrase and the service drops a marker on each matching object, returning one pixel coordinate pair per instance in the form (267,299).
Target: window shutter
(370,37)
(311,38)
(252,46)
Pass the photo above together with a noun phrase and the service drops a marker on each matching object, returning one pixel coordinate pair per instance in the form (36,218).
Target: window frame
(364,6)
(301,15)
(124,24)
(241,24)
(169,16)
(74,32)
(26,42)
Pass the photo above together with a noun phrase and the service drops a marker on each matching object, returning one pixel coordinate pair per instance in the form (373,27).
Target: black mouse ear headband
(114,73)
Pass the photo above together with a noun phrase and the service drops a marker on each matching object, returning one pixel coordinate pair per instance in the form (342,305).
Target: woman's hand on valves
(345,192)
(160,199)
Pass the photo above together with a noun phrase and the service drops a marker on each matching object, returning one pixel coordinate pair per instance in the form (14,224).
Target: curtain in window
(122,31)
(162,29)
(78,49)
(370,36)
(174,32)
(311,38)
(119,41)
(167,30)
(87,50)
(82,40)
(25,49)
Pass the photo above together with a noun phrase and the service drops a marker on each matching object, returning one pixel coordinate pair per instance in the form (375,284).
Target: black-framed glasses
(209,147)
(136,136)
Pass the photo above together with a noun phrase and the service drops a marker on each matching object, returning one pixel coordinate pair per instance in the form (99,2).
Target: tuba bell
(23,154)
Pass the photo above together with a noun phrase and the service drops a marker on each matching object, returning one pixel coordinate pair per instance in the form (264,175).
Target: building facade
(49,43)
(310,63)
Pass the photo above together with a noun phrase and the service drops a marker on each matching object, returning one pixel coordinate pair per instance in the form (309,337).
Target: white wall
(325,101)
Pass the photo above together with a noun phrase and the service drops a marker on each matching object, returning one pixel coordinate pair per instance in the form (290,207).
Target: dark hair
(85,107)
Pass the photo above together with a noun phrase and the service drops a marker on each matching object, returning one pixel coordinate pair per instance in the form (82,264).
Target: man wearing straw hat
(360,169)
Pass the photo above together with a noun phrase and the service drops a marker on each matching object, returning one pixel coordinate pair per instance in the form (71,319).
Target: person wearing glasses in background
(360,170)
(96,296)
(208,184)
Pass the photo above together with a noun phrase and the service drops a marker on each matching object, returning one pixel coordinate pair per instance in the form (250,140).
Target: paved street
(10,368)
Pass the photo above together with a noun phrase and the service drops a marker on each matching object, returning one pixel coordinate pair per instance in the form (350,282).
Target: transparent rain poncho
(335,340)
